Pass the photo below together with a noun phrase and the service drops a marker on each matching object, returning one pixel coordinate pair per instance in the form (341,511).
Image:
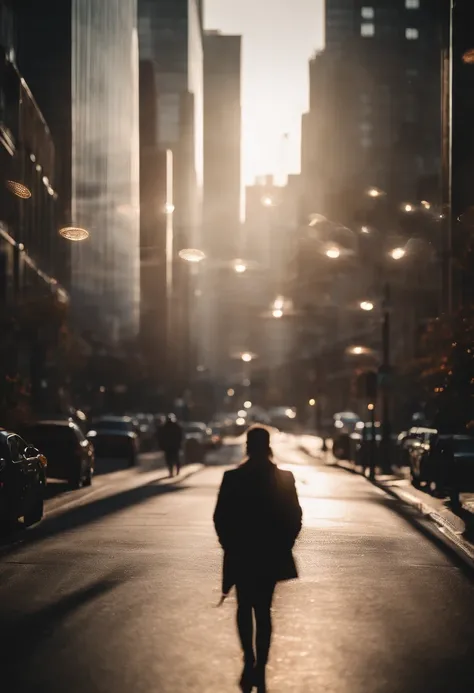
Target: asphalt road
(116,591)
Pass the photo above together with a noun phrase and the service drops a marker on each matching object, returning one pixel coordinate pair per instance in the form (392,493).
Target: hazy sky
(279,37)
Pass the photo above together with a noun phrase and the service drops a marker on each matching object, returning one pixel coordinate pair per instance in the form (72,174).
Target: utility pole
(385,372)
(373,442)
(446,242)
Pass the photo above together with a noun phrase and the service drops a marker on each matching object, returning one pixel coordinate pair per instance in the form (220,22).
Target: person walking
(170,440)
(257,519)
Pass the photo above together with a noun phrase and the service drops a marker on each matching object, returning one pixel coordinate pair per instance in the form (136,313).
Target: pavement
(117,591)
(452,526)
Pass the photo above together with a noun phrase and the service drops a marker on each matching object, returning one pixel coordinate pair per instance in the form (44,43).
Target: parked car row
(56,450)
(442,464)
(22,480)
(67,450)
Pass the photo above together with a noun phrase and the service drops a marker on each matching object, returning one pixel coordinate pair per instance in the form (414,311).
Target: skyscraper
(222,193)
(222,143)
(81,58)
(170,37)
(382,59)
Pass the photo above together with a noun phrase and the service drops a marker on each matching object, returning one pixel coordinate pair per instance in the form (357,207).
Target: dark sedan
(70,455)
(449,464)
(22,480)
(115,437)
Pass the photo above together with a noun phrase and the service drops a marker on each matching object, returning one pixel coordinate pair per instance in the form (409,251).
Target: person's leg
(245,622)
(169,462)
(263,617)
(178,461)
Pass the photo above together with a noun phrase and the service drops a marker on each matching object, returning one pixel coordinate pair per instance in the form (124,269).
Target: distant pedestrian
(257,519)
(170,440)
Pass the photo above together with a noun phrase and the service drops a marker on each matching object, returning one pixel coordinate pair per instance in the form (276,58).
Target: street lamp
(398,253)
(74,233)
(277,313)
(375,192)
(247,357)
(18,189)
(408,208)
(359,350)
(267,201)
(333,253)
(312,402)
(426,204)
(278,303)
(192,255)
(230,392)
(240,267)
(365,229)
(366,305)
(248,404)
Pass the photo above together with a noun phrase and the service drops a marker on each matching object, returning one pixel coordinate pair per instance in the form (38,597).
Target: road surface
(116,591)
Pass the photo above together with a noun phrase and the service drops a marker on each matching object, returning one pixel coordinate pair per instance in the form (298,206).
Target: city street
(117,590)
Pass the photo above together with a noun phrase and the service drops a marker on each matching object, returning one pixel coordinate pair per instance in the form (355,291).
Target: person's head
(258,443)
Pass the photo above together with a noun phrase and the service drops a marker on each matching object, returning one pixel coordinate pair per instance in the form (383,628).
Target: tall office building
(391,87)
(222,143)
(170,37)
(222,193)
(81,58)
(156,236)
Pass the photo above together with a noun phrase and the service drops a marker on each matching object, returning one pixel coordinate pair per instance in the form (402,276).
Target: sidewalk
(456,527)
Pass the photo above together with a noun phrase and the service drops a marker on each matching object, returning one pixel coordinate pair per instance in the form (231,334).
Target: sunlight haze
(279,37)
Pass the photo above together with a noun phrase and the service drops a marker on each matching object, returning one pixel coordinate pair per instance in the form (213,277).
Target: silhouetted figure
(257,519)
(170,440)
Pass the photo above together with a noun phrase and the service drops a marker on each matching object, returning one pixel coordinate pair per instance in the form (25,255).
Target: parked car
(217,435)
(448,464)
(342,447)
(146,431)
(410,440)
(418,446)
(115,437)
(22,480)
(197,437)
(70,455)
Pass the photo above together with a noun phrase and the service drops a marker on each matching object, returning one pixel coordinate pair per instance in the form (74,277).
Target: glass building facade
(171,39)
(105,162)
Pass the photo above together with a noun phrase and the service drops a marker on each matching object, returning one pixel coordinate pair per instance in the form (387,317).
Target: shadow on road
(82,515)
(22,633)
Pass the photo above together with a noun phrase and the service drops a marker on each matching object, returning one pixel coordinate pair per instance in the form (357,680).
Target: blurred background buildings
(124,119)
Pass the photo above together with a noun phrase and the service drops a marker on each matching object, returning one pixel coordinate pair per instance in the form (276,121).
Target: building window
(367,12)
(411,34)
(367,29)
(412,4)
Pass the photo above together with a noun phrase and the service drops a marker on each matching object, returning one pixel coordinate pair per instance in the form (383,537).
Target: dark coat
(257,519)
(170,437)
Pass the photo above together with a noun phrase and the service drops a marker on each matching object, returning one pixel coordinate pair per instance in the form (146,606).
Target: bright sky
(279,37)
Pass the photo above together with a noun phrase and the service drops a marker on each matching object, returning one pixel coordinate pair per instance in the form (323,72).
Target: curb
(439,527)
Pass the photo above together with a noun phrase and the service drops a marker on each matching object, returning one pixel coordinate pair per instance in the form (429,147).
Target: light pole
(385,372)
